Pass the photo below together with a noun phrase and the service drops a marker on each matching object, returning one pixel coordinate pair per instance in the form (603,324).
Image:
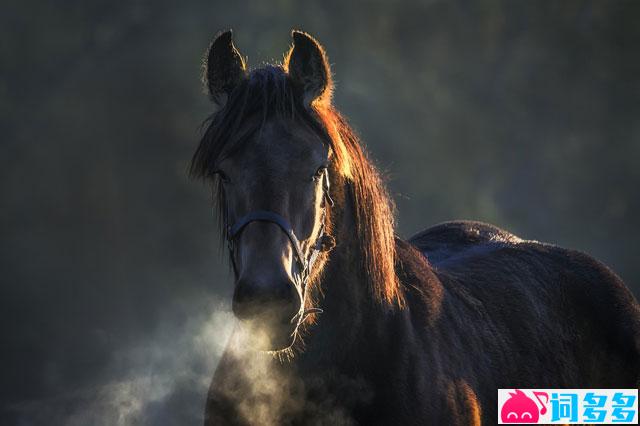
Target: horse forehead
(284,147)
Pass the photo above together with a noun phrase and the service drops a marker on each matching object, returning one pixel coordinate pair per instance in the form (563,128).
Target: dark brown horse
(341,322)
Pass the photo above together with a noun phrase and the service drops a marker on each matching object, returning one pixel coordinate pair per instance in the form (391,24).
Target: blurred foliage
(519,113)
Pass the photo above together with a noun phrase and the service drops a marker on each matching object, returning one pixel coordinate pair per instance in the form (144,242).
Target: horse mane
(268,92)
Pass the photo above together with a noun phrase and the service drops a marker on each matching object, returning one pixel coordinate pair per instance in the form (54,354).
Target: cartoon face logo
(519,408)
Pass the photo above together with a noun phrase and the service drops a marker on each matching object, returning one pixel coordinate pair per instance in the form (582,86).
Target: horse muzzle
(267,311)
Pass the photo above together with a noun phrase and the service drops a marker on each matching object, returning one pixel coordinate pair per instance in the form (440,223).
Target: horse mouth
(269,334)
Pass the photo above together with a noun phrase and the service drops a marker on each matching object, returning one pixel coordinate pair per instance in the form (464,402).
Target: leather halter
(305,265)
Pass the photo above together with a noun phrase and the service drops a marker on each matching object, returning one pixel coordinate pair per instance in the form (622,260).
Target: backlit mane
(267,92)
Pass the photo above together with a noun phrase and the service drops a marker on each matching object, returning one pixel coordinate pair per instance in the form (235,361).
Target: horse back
(443,242)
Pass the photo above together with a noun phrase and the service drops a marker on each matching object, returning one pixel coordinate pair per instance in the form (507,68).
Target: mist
(161,379)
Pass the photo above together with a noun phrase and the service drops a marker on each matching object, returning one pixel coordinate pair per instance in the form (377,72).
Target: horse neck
(351,317)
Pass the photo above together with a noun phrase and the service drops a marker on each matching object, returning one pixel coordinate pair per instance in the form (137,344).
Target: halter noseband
(305,265)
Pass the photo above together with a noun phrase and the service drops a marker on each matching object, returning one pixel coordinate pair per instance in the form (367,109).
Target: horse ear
(309,70)
(224,68)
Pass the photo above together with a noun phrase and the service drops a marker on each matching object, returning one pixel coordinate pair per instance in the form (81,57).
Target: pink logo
(519,408)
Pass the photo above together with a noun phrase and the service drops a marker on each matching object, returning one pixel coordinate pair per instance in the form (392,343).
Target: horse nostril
(276,299)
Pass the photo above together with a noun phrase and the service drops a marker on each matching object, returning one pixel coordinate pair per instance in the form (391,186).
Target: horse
(342,322)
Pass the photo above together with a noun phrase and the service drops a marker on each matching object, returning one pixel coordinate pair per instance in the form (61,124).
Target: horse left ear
(309,70)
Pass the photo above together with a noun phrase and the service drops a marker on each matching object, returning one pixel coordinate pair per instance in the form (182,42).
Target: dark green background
(519,113)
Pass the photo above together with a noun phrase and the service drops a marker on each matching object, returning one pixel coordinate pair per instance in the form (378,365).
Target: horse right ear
(308,67)
(224,68)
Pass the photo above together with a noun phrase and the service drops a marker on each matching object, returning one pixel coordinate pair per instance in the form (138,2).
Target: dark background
(113,295)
